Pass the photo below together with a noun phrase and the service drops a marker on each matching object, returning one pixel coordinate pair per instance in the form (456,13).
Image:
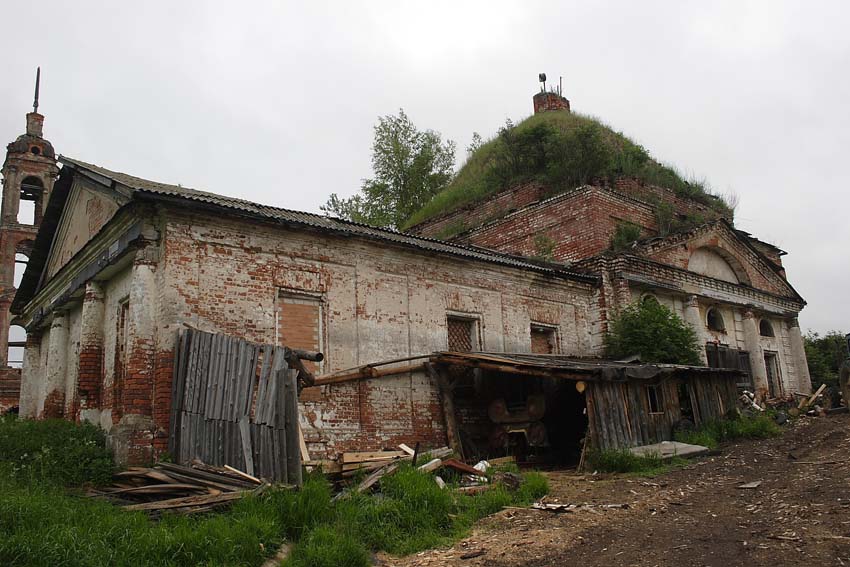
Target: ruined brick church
(103,268)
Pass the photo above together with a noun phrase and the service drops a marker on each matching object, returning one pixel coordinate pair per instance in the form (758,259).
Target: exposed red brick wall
(90,376)
(54,405)
(743,259)
(497,206)
(650,193)
(299,326)
(163,375)
(546,101)
(10,388)
(580,224)
(474,214)
(380,302)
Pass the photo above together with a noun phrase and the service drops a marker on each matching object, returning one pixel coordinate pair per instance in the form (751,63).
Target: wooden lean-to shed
(561,403)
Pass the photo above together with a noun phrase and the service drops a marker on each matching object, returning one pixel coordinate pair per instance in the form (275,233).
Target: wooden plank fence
(235,403)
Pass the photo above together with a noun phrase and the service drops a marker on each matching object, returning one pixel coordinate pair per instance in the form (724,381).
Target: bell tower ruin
(28,175)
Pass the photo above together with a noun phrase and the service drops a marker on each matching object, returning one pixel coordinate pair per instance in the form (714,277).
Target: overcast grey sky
(275,101)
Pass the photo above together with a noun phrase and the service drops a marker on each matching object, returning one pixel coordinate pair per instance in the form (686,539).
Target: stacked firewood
(180,489)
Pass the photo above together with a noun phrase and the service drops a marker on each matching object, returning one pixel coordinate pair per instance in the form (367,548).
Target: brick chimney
(35,124)
(545,100)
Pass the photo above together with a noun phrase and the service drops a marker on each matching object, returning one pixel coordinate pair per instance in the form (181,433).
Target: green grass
(562,167)
(713,433)
(45,519)
(55,451)
(623,461)
(45,525)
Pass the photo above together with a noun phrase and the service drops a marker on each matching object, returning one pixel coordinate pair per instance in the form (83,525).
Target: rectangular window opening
(654,394)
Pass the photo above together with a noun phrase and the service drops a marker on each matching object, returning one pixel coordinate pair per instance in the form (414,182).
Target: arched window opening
(29,208)
(649,299)
(766,329)
(715,320)
(20,267)
(17,342)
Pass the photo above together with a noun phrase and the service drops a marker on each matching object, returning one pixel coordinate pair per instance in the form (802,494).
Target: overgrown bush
(653,331)
(54,450)
(563,150)
(625,235)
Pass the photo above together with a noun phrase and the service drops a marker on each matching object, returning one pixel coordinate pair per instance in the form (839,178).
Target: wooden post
(292,429)
(448,403)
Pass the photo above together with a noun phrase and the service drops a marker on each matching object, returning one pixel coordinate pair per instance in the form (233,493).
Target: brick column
(798,355)
(57,358)
(753,346)
(694,319)
(90,381)
(135,431)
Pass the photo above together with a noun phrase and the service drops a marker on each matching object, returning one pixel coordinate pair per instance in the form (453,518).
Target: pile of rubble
(817,404)
(378,464)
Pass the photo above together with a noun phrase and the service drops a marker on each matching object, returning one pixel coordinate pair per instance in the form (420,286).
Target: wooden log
(364,456)
(202,475)
(367,373)
(431,465)
(292,431)
(811,400)
(243,475)
(461,467)
(188,501)
(470,490)
(158,489)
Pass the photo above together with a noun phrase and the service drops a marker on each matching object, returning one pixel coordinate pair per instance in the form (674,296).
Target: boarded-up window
(299,323)
(544,340)
(462,334)
(744,364)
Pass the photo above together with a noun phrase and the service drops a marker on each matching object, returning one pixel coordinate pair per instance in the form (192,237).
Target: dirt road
(798,515)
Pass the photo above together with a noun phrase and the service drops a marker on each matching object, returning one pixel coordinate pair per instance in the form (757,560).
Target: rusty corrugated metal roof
(243,207)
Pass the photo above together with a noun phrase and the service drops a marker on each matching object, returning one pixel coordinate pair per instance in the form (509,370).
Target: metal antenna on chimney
(37,82)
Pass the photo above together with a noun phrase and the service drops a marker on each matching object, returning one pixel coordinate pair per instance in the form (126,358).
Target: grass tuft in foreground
(713,433)
(624,461)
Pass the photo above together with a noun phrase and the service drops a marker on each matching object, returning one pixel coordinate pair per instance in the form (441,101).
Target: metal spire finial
(37,81)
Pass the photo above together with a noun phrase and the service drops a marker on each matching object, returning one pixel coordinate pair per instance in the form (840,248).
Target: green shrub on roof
(562,150)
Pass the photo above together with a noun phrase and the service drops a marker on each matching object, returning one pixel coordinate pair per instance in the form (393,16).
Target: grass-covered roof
(562,150)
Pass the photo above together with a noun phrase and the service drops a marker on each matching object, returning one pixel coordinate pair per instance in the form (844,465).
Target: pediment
(88,208)
(716,251)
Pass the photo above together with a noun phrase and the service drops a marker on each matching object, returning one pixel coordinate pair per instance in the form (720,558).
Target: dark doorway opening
(774,384)
(535,419)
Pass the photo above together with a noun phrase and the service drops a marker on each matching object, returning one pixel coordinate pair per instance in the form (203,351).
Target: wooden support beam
(366,373)
(447,401)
